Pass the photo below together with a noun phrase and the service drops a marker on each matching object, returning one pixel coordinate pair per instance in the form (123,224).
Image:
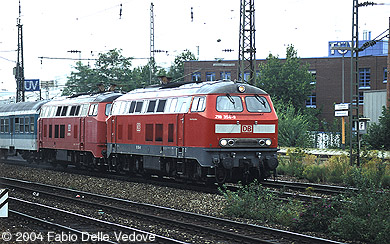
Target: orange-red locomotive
(218,130)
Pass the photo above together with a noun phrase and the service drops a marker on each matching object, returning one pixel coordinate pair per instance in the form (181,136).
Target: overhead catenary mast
(247,49)
(19,69)
(151,61)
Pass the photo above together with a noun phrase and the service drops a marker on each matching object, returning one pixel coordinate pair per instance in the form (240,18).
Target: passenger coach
(222,130)
(18,129)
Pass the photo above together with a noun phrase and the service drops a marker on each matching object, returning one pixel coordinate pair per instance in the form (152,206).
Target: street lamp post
(344,50)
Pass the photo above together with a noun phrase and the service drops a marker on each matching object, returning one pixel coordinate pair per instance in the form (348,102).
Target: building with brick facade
(326,71)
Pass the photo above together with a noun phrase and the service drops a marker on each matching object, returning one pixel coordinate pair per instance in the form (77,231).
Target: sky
(51,28)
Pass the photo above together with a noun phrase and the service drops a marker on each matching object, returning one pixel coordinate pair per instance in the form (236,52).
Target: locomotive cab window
(257,104)
(138,106)
(229,103)
(132,107)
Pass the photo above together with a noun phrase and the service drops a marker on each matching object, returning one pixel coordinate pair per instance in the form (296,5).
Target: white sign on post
(3,203)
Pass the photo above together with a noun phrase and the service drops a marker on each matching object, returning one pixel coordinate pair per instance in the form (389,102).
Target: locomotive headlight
(241,88)
(268,142)
(223,142)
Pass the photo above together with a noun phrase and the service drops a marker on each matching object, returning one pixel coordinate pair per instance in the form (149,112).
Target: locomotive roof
(210,87)
(85,98)
(22,107)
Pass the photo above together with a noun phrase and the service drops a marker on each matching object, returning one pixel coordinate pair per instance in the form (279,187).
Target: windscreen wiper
(260,99)
(230,98)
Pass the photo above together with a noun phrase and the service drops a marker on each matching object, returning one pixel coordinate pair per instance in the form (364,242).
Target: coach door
(12,131)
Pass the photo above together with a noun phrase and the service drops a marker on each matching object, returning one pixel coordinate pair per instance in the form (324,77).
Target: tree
(110,68)
(176,71)
(288,81)
(378,134)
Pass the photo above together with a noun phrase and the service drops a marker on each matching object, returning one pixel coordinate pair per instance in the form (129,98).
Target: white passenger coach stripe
(227,128)
(263,128)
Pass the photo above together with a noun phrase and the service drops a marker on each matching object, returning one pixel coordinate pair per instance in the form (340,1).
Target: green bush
(318,215)
(256,202)
(315,173)
(337,168)
(365,215)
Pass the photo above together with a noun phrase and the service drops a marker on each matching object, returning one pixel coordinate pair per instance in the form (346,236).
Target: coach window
(6,125)
(21,123)
(161,105)
(199,104)
(32,125)
(2,125)
(151,106)
(27,125)
(17,125)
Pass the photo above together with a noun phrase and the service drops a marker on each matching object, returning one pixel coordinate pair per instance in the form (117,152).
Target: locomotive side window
(199,104)
(59,108)
(72,111)
(257,104)
(159,132)
(62,131)
(93,110)
(108,109)
(132,107)
(50,131)
(171,105)
(151,106)
(138,106)
(149,132)
(76,113)
(84,109)
(229,103)
(64,110)
(183,104)
(170,132)
(161,105)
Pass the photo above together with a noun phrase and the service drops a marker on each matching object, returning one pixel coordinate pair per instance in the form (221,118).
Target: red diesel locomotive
(221,131)
(72,130)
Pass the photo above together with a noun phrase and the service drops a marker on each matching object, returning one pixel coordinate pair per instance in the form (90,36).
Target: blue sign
(31,85)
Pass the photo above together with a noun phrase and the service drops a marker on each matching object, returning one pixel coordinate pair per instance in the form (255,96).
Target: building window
(196,76)
(312,101)
(364,78)
(226,75)
(385,75)
(210,76)
(314,77)
(361,98)
(246,76)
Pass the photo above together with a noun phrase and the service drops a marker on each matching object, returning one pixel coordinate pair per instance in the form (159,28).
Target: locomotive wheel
(220,175)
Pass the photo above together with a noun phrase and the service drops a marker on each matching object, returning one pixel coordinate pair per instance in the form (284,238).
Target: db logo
(247,128)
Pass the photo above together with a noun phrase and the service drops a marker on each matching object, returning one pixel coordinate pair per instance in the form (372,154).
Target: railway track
(73,227)
(205,227)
